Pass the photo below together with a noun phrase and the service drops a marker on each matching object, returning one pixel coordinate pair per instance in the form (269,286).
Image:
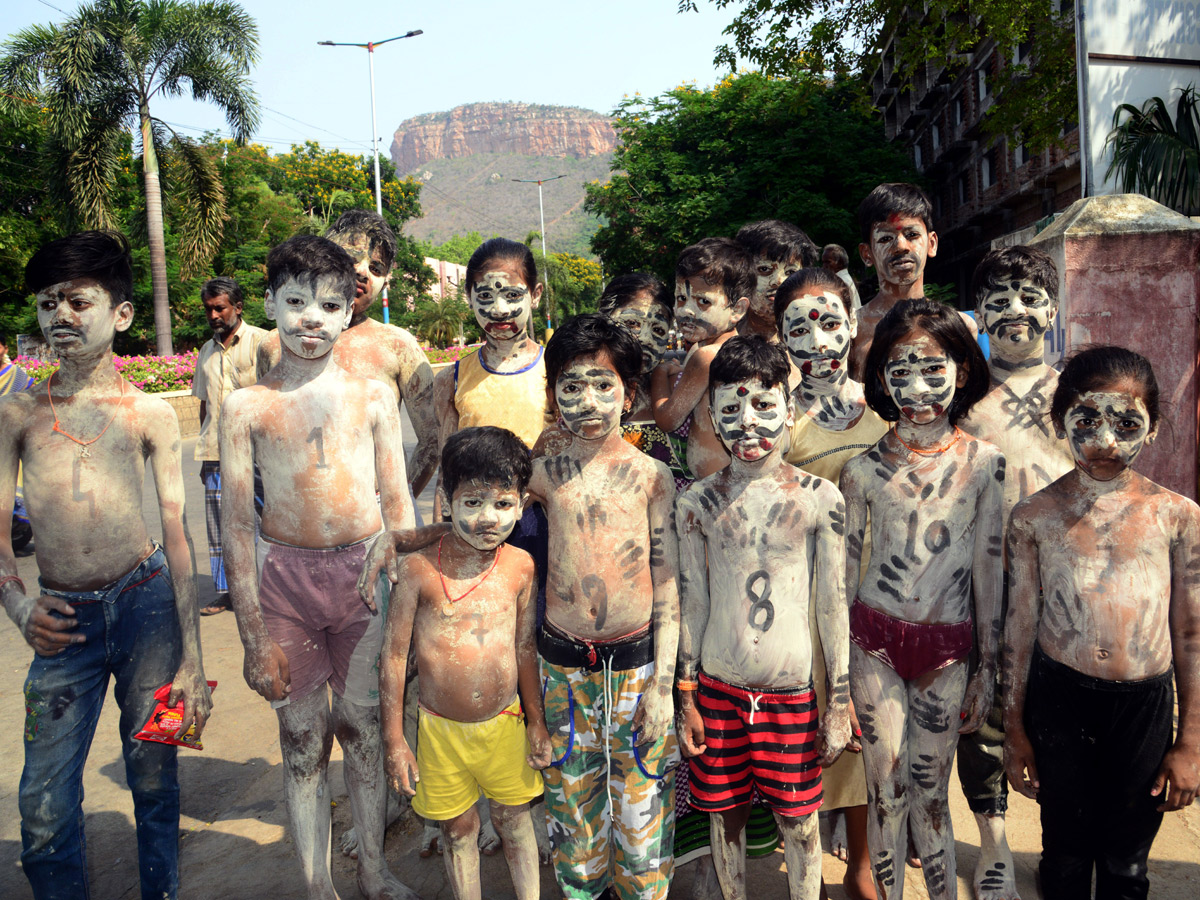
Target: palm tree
(96,74)
(440,320)
(1159,155)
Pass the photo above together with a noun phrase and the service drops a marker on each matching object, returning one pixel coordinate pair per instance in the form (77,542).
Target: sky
(557,52)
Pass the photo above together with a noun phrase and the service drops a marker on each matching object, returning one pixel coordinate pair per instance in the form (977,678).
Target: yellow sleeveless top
(512,400)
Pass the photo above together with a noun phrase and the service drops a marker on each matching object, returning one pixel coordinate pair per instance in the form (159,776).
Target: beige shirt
(220,371)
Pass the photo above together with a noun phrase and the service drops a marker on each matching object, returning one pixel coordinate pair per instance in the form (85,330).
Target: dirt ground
(234,842)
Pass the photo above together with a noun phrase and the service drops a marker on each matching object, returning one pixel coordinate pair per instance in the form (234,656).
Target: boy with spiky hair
(323,440)
(110,602)
(370,349)
(714,281)
(779,249)
(756,538)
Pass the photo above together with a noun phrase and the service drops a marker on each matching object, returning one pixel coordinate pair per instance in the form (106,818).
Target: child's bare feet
(995,876)
(838,845)
(383,885)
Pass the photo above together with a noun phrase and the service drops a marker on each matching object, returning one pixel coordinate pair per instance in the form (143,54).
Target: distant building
(986,191)
(450,277)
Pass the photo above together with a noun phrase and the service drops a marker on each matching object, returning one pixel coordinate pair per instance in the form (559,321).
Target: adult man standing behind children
(323,439)
(109,601)
(225,363)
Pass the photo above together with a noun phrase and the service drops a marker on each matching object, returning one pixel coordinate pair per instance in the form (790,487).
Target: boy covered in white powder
(467,606)
(323,439)
(756,538)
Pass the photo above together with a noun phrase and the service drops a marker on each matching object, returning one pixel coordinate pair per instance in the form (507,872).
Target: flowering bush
(152,374)
(449,355)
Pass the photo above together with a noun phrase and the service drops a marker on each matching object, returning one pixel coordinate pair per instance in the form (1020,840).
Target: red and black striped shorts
(757,739)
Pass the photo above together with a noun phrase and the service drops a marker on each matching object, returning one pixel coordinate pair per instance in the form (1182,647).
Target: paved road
(234,842)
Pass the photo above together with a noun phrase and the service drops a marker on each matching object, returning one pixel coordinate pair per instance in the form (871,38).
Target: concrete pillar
(1128,276)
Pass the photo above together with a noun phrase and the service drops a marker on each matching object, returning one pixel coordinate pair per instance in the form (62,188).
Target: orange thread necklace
(84,452)
(932,451)
(448,608)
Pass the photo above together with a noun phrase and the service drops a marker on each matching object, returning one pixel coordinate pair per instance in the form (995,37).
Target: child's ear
(932,245)
(961,375)
(630,395)
(740,307)
(1152,435)
(124,316)
(536,295)
(864,253)
(524,503)
(269,304)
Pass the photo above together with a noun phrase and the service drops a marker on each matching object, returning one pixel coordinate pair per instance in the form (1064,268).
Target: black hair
(743,358)
(100,255)
(587,335)
(1098,368)
(309,257)
(947,328)
(840,256)
(1000,267)
(499,248)
(487,454)
(893,199)
(364,221)
(222,284)
(778,241)
(721,262)
(624,289)
(810,281)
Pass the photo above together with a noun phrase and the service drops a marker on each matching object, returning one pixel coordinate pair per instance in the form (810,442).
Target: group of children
(789,545)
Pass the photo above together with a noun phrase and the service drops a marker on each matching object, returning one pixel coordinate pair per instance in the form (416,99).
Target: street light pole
(370,48)
(542,219)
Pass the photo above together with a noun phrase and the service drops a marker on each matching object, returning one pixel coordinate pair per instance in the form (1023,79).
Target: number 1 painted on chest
(318,436)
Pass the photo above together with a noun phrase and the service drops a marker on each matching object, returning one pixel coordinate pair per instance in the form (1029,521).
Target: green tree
(1157,154)
(97,74)
(1035,97)
(457,249)
(693,163)
(439,321)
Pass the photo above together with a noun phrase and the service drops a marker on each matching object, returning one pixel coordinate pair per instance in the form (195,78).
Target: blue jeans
(132,632)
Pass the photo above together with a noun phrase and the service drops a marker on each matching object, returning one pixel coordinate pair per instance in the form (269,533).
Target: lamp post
(542,219)
(370,46)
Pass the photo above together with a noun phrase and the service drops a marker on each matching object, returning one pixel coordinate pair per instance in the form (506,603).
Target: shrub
(152,374)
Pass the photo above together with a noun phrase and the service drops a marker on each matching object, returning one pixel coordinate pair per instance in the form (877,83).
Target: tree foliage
(1035,97)
(693,163)
(1157,154)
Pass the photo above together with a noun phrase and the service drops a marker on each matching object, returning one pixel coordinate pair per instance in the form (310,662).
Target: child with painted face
(757,538)
(933,496)
(1104,615)
(778,249)
(1016,301)
(322,439)
(817,323)
(467,605)
(611,630)
(714,281)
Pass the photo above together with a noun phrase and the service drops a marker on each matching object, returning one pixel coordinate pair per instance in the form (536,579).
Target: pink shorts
(312,610)
(910,648)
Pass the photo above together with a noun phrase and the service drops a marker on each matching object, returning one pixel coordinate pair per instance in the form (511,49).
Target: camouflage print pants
(612,807)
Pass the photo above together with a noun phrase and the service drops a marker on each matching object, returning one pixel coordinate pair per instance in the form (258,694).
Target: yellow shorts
(458,760)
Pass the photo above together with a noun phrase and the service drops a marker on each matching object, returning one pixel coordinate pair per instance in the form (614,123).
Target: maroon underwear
(910,648)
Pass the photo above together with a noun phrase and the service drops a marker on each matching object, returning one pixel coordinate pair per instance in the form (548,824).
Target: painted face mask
(1019,312)
(769,275)
(1107,430)
(900,247)
(702,311)
(309,314)
(649,323)
(77,317)
(590,396)
(750,418)
(371,274)
(485,513)
(502,302)
(920,378)
(818,333)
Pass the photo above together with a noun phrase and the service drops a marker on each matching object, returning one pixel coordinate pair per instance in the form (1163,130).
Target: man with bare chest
(612,626)
(110,602)
(758,537)
(370,349)
(323,440)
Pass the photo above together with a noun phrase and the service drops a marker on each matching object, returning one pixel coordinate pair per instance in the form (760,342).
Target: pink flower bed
(449,355)
(152,374)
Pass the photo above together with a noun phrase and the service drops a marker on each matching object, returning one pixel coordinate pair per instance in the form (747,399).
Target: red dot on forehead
(742,392)
(813,314)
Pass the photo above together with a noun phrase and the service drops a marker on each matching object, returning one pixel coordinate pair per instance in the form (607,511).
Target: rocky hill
(525,129)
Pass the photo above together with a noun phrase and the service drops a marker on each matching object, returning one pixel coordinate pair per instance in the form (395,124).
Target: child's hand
(653,715)
(385,553)
(834,734)
(1019,763)
(978,702)
(266,670)
(691,731)
(402,770)
(541,753)
(1180,770)
(854,745)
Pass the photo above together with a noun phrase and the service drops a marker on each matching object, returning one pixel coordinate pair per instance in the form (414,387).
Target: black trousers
(1098,746)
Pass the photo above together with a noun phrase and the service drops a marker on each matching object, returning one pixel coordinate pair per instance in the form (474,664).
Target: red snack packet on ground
(165,721)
